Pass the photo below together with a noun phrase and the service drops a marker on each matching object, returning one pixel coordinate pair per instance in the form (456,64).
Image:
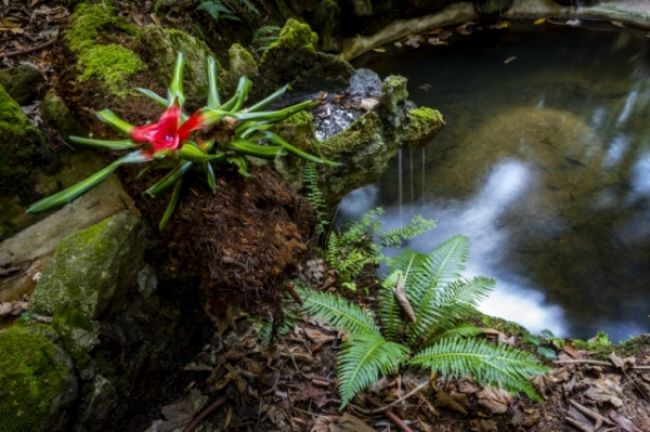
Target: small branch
(391,416)
(599,419)
(29,50)
(205,413)
(381,409)
(293,293)
(597,363)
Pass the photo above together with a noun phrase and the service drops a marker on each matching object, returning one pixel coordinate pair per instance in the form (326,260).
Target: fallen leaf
(379,50)
(494,399)
(624,422)
(622,363)
(539,21)
(306,391)
(604,391)
(443,400)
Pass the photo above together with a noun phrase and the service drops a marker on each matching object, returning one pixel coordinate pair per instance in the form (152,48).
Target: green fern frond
(442,266)
(216,9)
(389,312)
(264,36)
(315,196)
(363,358)
(448,305)
(291,317)
(492,364)
(337,311)
(250,6)
(359,230)
(461,331)
(397,236)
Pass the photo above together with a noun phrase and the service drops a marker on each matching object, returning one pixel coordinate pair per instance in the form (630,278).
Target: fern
(315,196)
(338,312)
(363,358)
(353,249)
(397,236)
(492,364)
(265,36)
(440,301)
(217,10)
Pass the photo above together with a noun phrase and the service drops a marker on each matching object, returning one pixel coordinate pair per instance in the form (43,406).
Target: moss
(112,64)
(32,376)
(87,22)
(56,112)
(296,35)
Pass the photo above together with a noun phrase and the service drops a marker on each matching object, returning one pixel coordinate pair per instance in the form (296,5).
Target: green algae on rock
(88,267)
(37,380)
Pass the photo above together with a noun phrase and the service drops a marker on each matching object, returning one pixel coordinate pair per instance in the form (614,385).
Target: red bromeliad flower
(166,133)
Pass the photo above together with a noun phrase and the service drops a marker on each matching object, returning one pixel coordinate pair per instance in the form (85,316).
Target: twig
(29,50)
(391,416)
(293,293)
(597,363)
(205,413)
(381,409)
(599,419)
(576,424)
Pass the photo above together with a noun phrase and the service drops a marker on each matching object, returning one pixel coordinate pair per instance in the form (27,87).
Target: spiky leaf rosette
(363,358)
(338,312)
(488,363)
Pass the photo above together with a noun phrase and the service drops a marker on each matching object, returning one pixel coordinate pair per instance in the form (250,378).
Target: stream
(544,164)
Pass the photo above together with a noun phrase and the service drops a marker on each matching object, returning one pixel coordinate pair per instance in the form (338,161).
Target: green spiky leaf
(363,358)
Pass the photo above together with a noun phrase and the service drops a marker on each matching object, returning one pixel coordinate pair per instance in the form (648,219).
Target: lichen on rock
(89,267)
(37,380)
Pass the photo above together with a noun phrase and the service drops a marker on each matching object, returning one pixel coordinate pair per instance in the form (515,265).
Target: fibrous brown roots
(242,241)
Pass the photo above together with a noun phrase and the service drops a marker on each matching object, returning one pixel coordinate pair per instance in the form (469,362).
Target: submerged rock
(37,381)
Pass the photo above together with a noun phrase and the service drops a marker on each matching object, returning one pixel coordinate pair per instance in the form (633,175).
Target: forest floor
(237,382)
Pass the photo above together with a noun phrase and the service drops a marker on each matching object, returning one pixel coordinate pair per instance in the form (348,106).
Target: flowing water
(544,164)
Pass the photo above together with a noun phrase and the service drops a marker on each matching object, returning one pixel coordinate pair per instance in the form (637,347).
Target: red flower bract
(166,134)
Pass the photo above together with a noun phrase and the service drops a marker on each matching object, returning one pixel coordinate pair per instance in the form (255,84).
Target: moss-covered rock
(22,82)
(299,129)
(112,64)
(20,148)
(492,7)
(421,124)
(242,62)
(37,381)
(296,35)
(92,269)
(56,112)
(162,46)
(293,59)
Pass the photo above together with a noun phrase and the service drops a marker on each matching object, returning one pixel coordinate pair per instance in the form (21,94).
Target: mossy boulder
(110,63)
(421,124)
(37,381)
(22,82)
(56,112)
(293,59)
(162,46)
(22,147)
(92,269)
(492,7)
(242,62)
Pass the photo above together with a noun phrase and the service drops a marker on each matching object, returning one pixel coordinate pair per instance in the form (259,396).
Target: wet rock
(242,62)
(37,381)
(22,82)
(492,7)
(88,268)
(22,147)
(374,137)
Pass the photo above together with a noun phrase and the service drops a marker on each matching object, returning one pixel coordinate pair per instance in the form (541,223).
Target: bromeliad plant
(230,132)
(422,307)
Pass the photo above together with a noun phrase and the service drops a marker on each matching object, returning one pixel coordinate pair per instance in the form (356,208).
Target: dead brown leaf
(494,399)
